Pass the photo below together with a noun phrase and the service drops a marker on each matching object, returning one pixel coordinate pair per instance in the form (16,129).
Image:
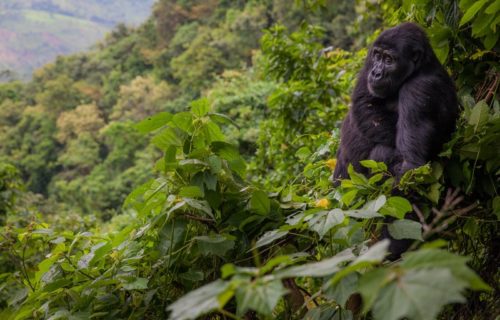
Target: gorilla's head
(396,55)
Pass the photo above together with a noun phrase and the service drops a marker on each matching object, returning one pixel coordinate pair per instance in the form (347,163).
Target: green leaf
(198,302)
(303,153)
(490,40)
(225,150)
(215,164)
(154,122)
(322,268)
(436,258)
(137,284)
(269,237)
(493,8)
(341,292)
(479,115)
(183,121)
(201,205)
(260,203)
(200,107)
(44,267)
(191,192)
(406,229)
(212,132)
(396,207)
(322,312)
(418,295)
(357,178)
(171,236)
(323,221)
(217,245)
(168,137)
(170,158)
(374,165)
(349,196)
(222,118)
(370,285)
(369,210)
(374,255)
(472,11)
(261,296)
(86,259)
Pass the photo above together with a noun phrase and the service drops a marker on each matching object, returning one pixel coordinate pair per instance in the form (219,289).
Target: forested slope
(189,159)
(34,32)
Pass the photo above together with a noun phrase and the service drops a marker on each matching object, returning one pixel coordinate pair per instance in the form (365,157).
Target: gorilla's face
(389,68)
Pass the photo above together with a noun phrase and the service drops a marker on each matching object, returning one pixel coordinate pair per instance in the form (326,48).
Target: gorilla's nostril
(376,74)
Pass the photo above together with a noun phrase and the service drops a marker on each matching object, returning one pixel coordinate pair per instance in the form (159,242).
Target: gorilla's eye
(388,60)
(377,56)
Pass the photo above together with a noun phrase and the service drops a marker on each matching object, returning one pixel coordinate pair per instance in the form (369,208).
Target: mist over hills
(34,32)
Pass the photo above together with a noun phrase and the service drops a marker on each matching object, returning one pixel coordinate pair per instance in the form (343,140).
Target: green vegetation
(180,171)
(34,32)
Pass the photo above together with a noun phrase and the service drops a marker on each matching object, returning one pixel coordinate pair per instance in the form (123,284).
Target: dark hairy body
(404,106)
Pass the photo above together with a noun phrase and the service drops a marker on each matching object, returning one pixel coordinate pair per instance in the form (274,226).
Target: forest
(181,170)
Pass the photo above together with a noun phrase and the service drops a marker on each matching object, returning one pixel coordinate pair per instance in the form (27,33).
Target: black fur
(403,110)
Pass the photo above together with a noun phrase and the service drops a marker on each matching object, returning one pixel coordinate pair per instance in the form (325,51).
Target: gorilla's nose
(376,75)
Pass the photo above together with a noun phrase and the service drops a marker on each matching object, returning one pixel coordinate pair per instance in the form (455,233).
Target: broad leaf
(472,11)
(396,207)
(259,203)
(269,237)
(341,292)
(418,295)
(318,269)
(198,302)
(154,122)
(137,284)
(200,107)
(217,245)
(323,221)
(436,258)
(260,296)
(406,229)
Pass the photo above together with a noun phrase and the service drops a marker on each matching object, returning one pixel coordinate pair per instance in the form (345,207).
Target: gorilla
(404,106)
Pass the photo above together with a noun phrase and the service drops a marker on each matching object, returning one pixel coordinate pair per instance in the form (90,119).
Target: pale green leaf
(198,302)
(261,296)
(341,292)
(217,245)
(269,237)
(323,221)
(322,268)
(418,295)
(137,284)
(436,258)
(405,229)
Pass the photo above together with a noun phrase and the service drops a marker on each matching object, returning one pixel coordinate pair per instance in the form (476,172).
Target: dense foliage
(181,170)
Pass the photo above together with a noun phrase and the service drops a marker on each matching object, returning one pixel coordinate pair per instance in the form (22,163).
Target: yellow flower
(331,163)
(322,203)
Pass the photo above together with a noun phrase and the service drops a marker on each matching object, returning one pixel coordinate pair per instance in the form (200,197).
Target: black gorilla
(404,106)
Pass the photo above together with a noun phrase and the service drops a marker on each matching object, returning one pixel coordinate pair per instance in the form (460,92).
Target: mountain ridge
(35,32)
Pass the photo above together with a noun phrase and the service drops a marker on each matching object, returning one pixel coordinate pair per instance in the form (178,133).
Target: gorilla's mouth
(379,89)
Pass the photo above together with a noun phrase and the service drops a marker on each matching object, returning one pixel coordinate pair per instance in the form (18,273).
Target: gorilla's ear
(416,56)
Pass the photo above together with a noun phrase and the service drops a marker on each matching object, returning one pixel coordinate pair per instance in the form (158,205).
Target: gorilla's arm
(417,130)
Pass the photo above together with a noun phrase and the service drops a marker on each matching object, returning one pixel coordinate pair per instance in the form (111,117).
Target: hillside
(34,32)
